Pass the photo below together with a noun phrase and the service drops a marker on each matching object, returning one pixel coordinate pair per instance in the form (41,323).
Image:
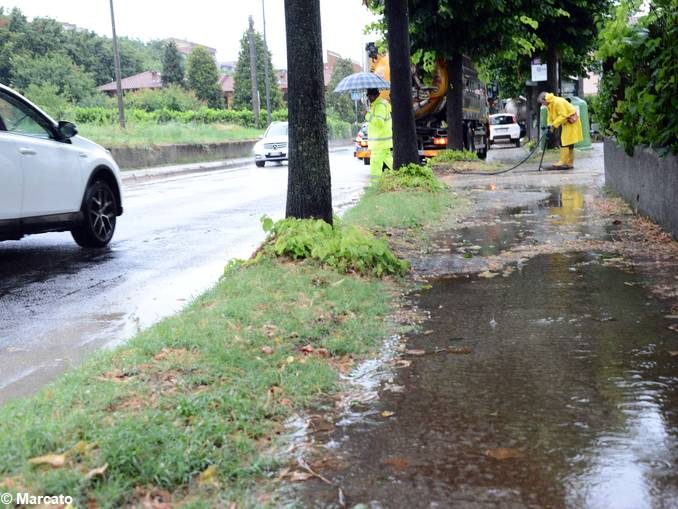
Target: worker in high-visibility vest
(379,133)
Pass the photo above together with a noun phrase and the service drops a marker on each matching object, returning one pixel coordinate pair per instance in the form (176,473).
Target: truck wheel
(260,164)
(366,161)
(482,154)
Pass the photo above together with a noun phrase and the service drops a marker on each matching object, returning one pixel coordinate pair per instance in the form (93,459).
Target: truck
(429,101)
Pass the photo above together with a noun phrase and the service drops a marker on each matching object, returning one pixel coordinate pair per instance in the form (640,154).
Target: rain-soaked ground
(541,376)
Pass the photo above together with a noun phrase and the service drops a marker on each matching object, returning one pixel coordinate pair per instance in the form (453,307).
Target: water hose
(544,137)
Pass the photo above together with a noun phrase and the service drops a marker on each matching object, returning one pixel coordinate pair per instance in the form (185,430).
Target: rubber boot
(562,160)
(570,156)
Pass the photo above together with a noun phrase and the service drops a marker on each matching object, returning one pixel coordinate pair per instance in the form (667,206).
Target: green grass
(192,410)
(171,133)
(196,390)
(401,209)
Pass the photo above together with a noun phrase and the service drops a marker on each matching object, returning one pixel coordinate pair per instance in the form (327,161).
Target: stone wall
(129,158)
(159,155)
(647,181)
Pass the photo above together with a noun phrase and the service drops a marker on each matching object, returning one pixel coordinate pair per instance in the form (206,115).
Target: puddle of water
(552,387)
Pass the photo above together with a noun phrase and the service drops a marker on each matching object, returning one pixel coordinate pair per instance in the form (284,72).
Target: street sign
(539,72)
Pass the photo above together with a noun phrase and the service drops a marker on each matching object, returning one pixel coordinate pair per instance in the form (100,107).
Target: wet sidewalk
(543,375)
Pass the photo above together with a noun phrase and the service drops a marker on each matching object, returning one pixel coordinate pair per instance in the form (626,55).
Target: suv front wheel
(99,216)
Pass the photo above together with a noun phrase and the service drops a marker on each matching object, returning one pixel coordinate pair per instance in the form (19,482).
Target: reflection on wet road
(550,384)
(59,303)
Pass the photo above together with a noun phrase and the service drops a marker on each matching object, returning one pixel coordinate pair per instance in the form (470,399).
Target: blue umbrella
(361,81)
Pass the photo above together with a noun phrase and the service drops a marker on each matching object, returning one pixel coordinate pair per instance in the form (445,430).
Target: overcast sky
(215,23)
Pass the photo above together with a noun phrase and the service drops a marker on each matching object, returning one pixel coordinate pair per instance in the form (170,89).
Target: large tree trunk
(404,134)
(309,193)
(455,102)
(552,70)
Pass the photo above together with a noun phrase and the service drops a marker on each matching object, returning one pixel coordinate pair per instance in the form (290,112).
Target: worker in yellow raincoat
(379,133)
(562,114)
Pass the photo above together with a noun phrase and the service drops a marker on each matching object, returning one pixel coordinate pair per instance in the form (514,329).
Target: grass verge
(188,409)
(171,133)
(190,412)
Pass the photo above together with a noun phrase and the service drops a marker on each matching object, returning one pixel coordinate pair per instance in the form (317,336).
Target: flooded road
(544,374)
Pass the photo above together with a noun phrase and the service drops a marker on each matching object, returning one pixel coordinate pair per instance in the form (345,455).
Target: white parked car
(51,179)
(273,146)
(504,127)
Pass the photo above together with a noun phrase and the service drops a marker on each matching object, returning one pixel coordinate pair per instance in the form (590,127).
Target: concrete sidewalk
(182,169)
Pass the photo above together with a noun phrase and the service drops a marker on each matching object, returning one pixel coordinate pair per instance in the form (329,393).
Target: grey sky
(215,23)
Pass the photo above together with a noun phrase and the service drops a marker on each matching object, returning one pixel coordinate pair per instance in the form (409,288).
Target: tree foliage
(638,88)
(57,68)
(80,51)
(203,77)
(172,66)
(242,93)
(340,105)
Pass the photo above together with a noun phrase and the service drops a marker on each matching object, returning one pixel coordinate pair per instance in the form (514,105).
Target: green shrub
(338,129)
(47,96)
(412,176)
(448,156)
(172,98)
(639,86)
(345,248)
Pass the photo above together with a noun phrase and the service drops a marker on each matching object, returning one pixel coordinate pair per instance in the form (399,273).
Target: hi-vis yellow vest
(379,129)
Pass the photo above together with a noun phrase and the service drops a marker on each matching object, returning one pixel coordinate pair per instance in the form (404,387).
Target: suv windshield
(277,130)
(501,120)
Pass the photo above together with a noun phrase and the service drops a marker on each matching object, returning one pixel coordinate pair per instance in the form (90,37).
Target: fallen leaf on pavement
(397,463)
(415,352)
(674,327)
(53,460)
(387,413)
(460,350)
(673,353)
(307,349)
(402,363)
(300,476)
(487,274)
(503,453)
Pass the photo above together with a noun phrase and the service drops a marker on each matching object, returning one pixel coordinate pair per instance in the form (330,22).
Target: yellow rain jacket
(558,111)
(379,129)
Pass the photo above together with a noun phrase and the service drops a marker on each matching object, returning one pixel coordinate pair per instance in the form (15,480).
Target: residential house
(142,81)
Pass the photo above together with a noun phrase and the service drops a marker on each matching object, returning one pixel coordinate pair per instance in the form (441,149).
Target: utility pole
(116,63)
(268,82)
(253,73)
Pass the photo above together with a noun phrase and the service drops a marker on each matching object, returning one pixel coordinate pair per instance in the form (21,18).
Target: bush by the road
(638,86)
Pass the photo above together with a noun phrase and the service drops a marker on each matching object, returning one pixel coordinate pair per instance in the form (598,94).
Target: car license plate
(274,154)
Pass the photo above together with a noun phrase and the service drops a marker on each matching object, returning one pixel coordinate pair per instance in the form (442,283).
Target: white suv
(51,179)
(504,127)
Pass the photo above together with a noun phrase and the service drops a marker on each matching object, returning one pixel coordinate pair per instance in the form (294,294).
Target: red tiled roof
(146,79)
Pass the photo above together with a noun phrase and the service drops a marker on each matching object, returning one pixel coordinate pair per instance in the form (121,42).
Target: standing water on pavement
(552,384)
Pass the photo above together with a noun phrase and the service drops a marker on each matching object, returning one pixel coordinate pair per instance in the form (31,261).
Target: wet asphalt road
(59,303)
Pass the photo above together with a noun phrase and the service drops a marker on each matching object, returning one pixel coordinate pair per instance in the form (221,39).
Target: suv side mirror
(67,129)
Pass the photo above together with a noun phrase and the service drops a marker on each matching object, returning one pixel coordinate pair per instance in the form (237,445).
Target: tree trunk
(455,102)
(552,70)
(309,192)
(405,149)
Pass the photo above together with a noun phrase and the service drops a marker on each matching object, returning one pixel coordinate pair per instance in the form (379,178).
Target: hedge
(337,129)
